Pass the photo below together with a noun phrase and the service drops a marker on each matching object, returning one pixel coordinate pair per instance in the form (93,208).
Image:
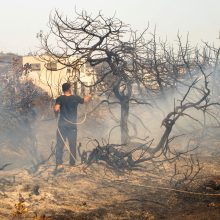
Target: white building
(49,75)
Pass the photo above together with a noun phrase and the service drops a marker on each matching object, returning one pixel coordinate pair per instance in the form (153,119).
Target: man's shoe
(59,168)
(72,163)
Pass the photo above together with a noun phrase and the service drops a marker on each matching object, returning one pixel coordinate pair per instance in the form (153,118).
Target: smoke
(146,120)
(28,133)
(17,116)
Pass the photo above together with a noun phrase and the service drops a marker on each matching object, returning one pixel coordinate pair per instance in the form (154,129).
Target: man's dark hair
(66,87)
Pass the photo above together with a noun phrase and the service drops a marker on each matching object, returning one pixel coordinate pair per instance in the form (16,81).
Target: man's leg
(72,138)
(59,145)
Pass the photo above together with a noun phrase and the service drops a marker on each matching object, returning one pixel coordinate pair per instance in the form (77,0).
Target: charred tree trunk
(164,139)
(124,98)
(124,121)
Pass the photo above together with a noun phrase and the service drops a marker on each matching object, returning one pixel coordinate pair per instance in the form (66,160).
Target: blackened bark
(124,103)
(163,141)
(124,121)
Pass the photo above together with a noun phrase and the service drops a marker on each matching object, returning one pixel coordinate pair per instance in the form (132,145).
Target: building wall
(48,74)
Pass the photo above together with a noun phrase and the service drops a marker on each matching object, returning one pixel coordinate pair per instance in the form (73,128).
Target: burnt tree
(104,43)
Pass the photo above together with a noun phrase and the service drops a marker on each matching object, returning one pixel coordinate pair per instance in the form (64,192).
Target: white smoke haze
(28,137)
(104,124)
(144,120)
(165,165)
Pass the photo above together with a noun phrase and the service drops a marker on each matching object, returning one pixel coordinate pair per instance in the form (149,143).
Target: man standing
(66,105)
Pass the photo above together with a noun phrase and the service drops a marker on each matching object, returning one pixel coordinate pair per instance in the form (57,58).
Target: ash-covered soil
(98,193)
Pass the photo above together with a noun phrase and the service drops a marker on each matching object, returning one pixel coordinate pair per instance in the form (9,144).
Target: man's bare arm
(87,98)
(56,110)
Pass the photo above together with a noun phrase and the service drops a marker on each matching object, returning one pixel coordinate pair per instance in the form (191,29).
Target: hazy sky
(20,20)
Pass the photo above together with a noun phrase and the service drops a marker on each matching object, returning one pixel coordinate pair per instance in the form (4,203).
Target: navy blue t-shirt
(68,109)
